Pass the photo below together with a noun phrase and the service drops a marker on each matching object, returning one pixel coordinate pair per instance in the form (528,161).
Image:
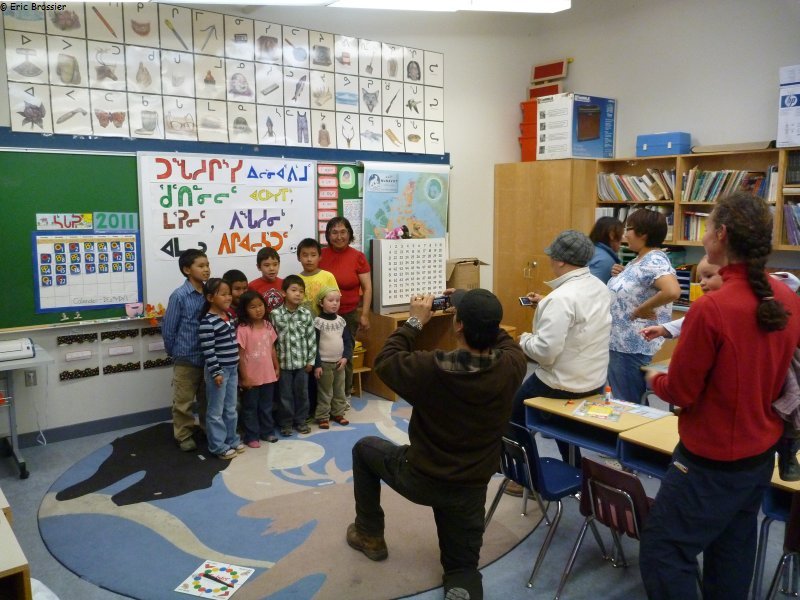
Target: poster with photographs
(158,71)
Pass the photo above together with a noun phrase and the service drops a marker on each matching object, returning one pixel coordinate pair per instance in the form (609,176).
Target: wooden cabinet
(534,202)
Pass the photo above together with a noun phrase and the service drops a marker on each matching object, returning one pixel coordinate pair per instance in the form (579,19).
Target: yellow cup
(695,291)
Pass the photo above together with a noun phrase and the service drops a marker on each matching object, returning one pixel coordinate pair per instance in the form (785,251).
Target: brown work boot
(373,546)
(514,489)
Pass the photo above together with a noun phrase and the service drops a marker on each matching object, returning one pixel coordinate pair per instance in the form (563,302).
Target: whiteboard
(228,206)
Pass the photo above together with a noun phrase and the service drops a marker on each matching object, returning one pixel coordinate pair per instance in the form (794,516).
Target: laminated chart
(80,271)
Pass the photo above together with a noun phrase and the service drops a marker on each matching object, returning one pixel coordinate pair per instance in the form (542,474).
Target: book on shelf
(792,167)
(694,225)
(665,179)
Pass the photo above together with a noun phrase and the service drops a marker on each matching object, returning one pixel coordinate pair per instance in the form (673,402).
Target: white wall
(708,67)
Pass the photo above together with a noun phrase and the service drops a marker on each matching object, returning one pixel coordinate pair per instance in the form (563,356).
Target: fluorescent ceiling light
(520,6)
(427,5)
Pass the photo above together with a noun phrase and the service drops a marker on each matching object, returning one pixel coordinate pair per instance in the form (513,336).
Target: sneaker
(324,424)
(240,448)
(340,420)
(373,546)
(514,489)
(188,445)
(228,454)
(457,593)
(303,428)
(272,439)
(254,444)
(286,431)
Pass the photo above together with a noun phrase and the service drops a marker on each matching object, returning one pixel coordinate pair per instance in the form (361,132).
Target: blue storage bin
(661,144)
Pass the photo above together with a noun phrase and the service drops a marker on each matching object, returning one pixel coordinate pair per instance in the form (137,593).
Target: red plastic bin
(528,148)
(528,111)
(528,129)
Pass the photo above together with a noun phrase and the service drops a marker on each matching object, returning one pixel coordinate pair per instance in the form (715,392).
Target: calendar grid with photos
(411,267)
(83,271)
(157,71)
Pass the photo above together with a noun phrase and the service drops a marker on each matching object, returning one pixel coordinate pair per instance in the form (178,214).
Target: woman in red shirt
(352,273)
(727,370)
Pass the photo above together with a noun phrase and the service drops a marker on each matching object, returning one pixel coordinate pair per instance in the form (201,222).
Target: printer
(16,349)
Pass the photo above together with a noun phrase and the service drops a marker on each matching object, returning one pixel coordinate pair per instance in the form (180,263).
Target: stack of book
(652,187)
(791,222)
(793,168)
(694,225)
(709,186)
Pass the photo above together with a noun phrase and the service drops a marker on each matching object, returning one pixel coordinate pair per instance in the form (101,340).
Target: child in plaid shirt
(297,350)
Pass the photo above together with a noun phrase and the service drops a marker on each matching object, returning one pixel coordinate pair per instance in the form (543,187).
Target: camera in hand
(441,303)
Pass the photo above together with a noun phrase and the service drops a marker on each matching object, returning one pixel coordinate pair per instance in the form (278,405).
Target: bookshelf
(699,179)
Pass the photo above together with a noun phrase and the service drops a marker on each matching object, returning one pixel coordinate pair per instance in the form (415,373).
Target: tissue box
(464,273)
(575,126)
(662,144)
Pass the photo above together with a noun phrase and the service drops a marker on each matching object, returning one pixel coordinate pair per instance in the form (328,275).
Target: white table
(7,368)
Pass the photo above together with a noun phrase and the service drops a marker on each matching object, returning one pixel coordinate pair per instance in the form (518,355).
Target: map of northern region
(418,201)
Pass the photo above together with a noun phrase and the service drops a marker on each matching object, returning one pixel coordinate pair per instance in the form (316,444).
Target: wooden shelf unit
(751,160)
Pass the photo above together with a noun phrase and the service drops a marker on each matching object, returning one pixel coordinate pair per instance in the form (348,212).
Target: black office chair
(549,479)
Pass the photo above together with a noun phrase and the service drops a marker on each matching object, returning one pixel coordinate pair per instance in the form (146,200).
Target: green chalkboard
(39,182)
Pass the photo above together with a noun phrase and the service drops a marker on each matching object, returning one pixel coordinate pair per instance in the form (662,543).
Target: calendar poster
(408,267)
(81,271)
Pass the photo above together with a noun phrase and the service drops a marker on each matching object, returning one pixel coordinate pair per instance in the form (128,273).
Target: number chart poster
(228,206)
(81,271)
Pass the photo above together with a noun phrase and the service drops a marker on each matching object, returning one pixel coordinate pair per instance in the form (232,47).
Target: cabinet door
(532,204)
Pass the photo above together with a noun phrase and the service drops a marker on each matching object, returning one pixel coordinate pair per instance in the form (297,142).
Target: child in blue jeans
(221,352)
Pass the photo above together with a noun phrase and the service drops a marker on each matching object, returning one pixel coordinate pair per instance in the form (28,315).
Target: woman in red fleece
(726,371)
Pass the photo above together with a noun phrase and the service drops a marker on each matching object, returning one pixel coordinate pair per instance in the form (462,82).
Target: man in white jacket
(571,328)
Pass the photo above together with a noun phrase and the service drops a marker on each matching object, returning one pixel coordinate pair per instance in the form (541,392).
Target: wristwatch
(414,323)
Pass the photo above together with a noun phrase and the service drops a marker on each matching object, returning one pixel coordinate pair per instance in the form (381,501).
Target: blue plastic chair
(551,479)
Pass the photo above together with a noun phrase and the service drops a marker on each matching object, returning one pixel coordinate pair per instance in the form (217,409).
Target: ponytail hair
(748,223)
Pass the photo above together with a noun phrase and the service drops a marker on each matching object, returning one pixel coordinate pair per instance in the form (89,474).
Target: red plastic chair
(791,545)
(617,500)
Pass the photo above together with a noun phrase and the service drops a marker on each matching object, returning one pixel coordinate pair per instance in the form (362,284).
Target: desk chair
(617,500)
(550,479)
(775,506)
(791,547)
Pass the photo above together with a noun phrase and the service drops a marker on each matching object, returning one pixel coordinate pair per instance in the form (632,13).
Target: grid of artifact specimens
(156,71)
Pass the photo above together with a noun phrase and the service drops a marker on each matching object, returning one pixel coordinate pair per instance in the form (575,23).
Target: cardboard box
(663,144)
(575,126)
(464,273)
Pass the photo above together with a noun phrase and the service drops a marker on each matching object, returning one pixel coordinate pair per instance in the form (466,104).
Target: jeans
(187,385)
(331,400)
(533,387)
(706,510)
(457,509)
(221,412)
(257,404)
(293,408)
(625,375)
(353,320)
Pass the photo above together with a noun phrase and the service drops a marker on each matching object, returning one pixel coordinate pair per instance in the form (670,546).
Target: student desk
(15,575)
(554,417)
(7,369)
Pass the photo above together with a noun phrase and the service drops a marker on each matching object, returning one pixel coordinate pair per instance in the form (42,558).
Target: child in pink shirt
(258,369)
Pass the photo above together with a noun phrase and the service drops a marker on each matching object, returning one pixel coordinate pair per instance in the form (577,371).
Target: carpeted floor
(138,516)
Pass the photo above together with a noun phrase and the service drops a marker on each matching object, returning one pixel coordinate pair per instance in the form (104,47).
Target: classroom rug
(138,516)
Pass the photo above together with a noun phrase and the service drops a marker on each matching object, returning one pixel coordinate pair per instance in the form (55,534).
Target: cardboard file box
(663,144)
(464,273)
(575,126)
